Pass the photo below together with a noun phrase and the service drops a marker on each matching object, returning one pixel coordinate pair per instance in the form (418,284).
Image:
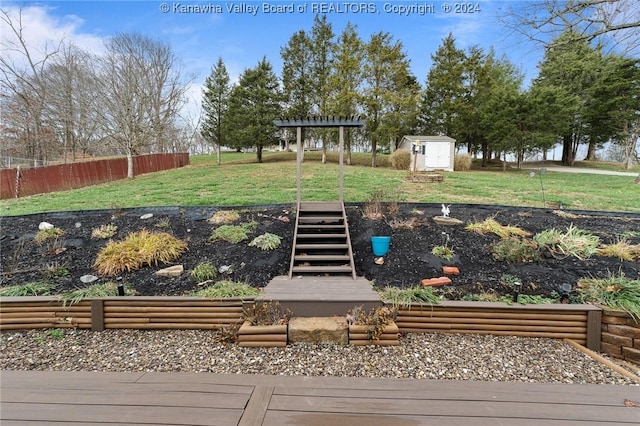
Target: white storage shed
(430,153)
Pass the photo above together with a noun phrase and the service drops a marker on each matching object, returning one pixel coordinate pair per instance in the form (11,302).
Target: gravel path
(421,356)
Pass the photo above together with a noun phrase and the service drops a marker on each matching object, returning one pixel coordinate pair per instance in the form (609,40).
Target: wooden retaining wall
(264,336)
(359,336)
(620,335)
(138,312)
(581,323)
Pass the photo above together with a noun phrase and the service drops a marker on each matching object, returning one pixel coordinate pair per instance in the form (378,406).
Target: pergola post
(299,162)
(341,161)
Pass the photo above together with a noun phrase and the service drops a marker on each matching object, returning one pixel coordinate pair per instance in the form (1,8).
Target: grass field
(240,181)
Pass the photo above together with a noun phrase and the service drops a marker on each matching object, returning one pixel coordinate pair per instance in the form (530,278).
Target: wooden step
(319,219)
(322,269)
(319,227)
(321,246)
(321,257)
(321,236)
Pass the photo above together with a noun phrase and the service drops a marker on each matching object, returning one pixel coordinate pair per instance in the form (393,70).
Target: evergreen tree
(253,106)
(345,79)
(389,93)
(445,94)
(321,49)
(215,102)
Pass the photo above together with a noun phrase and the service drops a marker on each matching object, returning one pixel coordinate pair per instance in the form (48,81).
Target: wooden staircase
(321,243)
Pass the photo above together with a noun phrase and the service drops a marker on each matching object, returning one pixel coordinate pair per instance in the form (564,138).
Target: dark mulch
(408,261)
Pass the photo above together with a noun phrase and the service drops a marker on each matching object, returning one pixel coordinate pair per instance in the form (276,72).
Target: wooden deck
(92,398)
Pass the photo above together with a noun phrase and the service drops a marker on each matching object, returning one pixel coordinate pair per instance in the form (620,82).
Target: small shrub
(94,291)
(574,242)
(407,224)
(512,250)
(616,292)
(492,226)
(233,233)
(462,162)
(406,297)
(443,252)
(45,235)
(104,231)
(377,319)
(35,288)
(400,159)
(223,289)
(374,208)
(266,241)
(138,249)
(267,313)
(163,223)
(224,217)
(56,271)
(203,272)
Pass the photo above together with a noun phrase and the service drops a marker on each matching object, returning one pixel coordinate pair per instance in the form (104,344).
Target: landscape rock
(45,225)
(441,220)
(172,271)
(88,278)
(319,330)
(146,216)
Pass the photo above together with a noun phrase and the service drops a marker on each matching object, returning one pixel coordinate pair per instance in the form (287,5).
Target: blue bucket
(380,245)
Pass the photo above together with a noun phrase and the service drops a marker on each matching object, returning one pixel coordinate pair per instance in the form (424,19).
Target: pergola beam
(321,121)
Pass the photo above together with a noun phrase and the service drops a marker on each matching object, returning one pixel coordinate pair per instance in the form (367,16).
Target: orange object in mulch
(450,270)
(436,282)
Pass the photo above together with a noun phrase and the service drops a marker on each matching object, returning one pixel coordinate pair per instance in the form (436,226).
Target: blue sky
(243,38)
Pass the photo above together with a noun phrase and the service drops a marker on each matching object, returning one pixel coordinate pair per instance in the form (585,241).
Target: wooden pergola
(320,121)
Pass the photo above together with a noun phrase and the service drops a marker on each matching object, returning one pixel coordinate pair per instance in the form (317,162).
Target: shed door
(438,154)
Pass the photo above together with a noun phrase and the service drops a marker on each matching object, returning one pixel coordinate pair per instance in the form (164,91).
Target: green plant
(400,159)
(94,291)
(407,297)
(616,292)
(225,288)
(574,242)
(267,313)
(163,223)
(56,333)
(203,272)
(104,231)
(55,270)
(45,235)
(376,319)
(266,241)
(492,226)
(35,288)
(137,250)
(482,297)
(233,233)
(509,279)
(513,250)
(443,251)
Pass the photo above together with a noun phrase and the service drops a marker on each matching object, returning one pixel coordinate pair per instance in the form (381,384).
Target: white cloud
(44,32)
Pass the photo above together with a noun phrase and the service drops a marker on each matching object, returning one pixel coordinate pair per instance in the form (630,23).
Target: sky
(242,32)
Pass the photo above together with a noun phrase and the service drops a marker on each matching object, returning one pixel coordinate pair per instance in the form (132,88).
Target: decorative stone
(226,269)
(146,216)
(45,225)
(88,278)
(379,260)
(172,271)
(441,220)
(436,282)
(317,330)
(450,270)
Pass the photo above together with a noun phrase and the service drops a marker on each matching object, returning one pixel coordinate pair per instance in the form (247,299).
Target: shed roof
(429,138)
(321,121)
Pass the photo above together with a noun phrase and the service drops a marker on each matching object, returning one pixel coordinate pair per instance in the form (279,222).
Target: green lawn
(241,181)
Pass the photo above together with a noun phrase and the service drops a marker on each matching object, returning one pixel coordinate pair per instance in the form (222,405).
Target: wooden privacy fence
(581,323)
(137,312)
(16,183)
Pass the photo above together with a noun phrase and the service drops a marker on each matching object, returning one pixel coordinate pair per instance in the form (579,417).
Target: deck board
(51,398)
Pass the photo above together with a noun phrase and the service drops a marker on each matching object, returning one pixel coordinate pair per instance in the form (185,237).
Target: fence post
(97,315)
(594,329)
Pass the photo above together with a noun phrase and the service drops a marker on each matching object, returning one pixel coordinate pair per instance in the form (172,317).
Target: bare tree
(72,106)
(22,81)
(544,20)
(139,94)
